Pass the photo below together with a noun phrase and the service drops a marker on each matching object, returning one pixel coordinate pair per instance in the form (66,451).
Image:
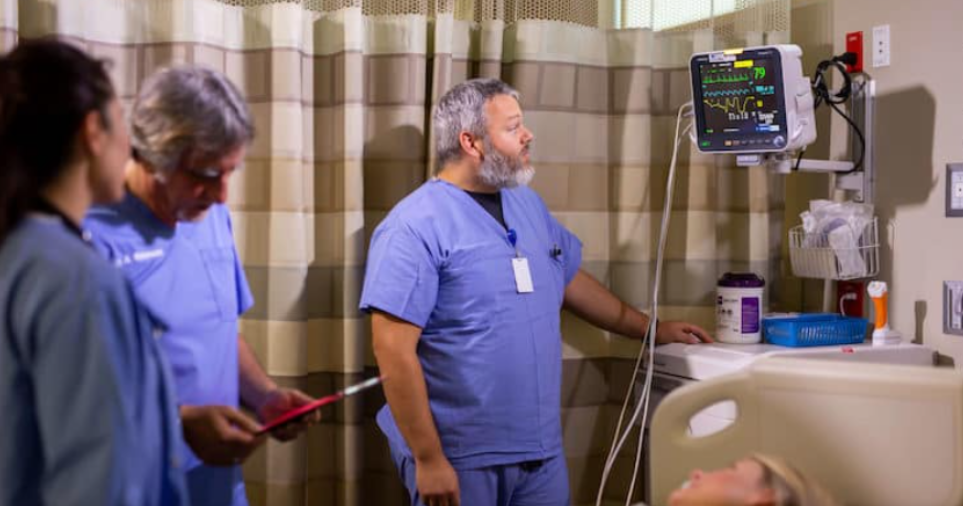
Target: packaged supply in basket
(837,240)
(839,226)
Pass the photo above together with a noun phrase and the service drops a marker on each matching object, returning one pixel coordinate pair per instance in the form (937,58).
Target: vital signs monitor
(752,100)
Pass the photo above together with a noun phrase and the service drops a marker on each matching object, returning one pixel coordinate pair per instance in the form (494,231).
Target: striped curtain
(341,92)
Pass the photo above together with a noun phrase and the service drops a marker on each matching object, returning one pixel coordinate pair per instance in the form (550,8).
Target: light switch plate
(953,307)
(954,190)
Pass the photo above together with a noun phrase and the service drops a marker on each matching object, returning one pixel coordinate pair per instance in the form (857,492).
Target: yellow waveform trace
(726,105)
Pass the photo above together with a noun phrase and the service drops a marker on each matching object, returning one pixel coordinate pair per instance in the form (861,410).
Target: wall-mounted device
(954,190)
(953,307)
(753,100)
(756,103)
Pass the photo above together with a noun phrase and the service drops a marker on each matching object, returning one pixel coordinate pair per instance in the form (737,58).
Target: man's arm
(219,435)
(255,384)
(590,300)
(260,393)
(395,348)
(222,435)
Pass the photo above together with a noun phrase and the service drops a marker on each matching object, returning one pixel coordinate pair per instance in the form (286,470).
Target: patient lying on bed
(758,480)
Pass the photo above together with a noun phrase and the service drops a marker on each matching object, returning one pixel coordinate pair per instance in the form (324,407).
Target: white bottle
(739,308)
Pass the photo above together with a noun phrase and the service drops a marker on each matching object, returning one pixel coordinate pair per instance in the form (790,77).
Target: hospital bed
(873,434)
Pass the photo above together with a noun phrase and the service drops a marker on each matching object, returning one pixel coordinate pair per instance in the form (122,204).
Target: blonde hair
(790,486)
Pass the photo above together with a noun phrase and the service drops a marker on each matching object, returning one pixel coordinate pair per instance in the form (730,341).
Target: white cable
(843,299)
(670,185)
(648,342)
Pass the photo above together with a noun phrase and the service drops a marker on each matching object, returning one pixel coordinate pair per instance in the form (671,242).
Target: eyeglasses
(205,173)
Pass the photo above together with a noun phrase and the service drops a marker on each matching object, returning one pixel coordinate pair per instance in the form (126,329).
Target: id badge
(523,275)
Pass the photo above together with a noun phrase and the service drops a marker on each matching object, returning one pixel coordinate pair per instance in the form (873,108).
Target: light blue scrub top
(191,277)
(86,402)
(492,357)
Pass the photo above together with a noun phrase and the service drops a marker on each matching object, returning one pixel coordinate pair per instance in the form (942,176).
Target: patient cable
(648,342)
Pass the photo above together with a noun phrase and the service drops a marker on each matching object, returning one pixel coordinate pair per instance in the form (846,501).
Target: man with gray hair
(172,236)
(465,281)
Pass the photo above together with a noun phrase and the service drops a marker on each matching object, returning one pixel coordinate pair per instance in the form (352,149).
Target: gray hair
(462,109)
(187,111)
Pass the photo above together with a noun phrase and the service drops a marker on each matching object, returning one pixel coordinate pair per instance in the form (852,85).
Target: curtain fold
(342,91)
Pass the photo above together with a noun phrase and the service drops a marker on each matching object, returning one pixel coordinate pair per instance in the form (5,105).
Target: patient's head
(758,480)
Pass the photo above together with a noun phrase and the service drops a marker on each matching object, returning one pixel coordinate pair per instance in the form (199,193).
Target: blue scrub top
(491,356)
(86,401)
(191,276)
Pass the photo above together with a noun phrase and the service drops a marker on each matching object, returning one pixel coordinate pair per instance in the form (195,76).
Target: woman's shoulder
(44,249)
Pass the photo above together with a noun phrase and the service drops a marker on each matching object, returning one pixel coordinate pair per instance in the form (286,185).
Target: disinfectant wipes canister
(739,308)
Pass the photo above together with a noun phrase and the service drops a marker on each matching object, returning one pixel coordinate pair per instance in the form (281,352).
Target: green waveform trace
(726,79)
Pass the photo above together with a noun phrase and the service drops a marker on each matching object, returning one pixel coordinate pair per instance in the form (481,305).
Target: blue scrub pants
(216,486)
(536,483)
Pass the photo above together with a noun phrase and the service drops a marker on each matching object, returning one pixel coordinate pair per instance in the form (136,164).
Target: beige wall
(812,30)
(919,131)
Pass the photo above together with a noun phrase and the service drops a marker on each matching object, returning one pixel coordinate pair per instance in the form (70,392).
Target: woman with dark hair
(85,401)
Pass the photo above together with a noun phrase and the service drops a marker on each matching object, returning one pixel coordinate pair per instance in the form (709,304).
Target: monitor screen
(739,101)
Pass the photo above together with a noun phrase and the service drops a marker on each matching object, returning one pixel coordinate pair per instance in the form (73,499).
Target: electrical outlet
(954,190)
(854,44)
(881,46)
(849,297)
(953,307)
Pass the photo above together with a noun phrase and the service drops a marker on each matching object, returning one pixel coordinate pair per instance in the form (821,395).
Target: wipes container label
(750,315)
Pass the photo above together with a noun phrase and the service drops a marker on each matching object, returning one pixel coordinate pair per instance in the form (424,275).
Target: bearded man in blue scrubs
(171,235)
(465,281)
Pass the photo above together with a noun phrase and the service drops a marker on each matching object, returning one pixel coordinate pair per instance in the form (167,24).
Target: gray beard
(500,171)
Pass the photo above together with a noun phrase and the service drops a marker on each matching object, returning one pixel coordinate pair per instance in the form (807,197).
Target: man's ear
(470,146)
(93,133)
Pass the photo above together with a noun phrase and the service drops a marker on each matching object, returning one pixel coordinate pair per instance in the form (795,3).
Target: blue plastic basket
(820,329)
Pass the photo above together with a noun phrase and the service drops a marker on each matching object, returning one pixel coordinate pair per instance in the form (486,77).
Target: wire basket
(821,329)
(844,253)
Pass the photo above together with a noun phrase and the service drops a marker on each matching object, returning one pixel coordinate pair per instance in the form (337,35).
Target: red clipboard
(298,413)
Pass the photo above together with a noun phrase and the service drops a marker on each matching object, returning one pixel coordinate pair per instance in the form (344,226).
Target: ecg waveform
(757,73)
(728,93)
(730,104)
(726,79)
